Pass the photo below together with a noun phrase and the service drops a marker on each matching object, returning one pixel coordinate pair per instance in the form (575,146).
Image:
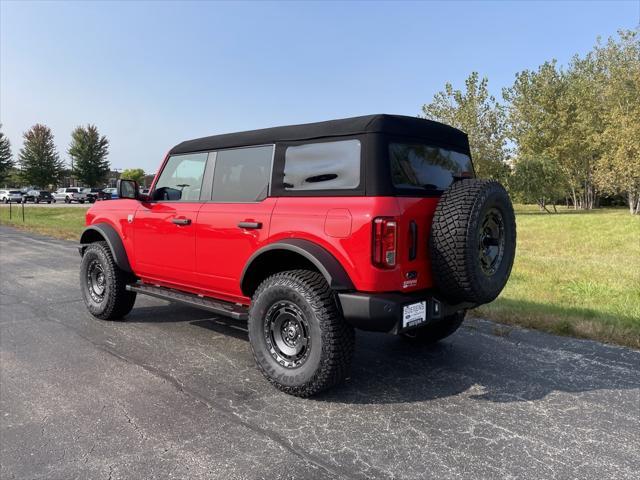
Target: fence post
(23,211)
(9,210)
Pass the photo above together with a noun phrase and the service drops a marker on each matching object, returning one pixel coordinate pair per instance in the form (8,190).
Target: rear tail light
(384,242)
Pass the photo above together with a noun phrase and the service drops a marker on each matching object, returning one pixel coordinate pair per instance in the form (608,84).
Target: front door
(235,223)
(165,238)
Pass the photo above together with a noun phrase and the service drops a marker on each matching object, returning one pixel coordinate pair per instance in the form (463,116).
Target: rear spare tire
(473,241)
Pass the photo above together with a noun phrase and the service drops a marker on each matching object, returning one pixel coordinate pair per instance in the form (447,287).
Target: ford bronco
(307,232)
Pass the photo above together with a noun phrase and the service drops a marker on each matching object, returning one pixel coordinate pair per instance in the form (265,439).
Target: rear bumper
(377,312)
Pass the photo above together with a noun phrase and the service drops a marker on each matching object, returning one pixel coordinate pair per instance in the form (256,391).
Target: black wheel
(298,336)
(81,201)
(6,200)
(37,201)
(49,202)
(473,241)
(67,200)
(103,284)
(436,331)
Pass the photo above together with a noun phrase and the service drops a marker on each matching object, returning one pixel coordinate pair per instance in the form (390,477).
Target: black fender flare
(112,238)
(330,268)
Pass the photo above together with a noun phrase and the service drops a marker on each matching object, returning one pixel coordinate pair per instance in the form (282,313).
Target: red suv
(306,232)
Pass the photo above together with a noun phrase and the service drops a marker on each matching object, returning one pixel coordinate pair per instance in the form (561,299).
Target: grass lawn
(60,222)
(576,273)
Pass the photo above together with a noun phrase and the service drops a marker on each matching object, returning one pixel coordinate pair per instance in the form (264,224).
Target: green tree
(136,174)
(39,160)
(6,160)
(538,119)
(88,151)
(536,180)
(618,86)
(477,113)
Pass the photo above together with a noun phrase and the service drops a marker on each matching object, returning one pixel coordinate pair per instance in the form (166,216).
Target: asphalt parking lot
(173,393)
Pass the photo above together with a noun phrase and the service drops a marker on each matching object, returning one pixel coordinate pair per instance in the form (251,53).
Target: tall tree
(477,113)
(6,160)
(88,151)
(618,84)
(537,180)
(542,118)
(136,174)
(39,160)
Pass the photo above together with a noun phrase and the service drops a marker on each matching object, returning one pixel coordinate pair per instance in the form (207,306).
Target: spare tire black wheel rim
(491,240)
(287,334)
(96,281)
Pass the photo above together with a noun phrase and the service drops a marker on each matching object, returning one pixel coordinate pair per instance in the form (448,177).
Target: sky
(152,74)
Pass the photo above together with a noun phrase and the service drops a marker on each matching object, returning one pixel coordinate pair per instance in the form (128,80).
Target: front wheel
(436,331)
(103,284)
(67,200)
(298,336)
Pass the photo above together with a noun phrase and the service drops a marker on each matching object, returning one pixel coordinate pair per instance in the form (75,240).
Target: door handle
(181,221)
(250,225)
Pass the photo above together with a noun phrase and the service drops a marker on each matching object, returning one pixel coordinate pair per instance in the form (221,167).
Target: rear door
(234,223)
(164,228)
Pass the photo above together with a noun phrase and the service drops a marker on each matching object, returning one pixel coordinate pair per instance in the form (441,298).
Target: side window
(242,174)
(181,179)
(322,166)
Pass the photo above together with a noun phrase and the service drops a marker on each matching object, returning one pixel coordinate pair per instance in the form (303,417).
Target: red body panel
(223,248)
(208,256)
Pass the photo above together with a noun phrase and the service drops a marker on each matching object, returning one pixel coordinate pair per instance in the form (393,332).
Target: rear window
(426,167)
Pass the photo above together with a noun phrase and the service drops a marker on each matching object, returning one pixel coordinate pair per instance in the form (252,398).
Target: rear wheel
(436,331)
(103,284)
(67,200)
(298,336)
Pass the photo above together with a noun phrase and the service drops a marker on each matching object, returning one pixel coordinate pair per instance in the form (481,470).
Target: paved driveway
(173,393)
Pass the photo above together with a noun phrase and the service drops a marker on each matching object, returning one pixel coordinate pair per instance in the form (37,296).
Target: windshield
(426,167)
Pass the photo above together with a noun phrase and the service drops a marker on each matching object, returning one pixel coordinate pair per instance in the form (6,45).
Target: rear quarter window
(322,166)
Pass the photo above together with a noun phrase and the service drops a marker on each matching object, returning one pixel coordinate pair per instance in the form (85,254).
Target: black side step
(233,310)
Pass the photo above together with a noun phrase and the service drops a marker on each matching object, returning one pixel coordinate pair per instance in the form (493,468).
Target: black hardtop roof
(380,123)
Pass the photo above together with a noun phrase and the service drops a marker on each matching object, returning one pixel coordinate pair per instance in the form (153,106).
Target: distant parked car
(37,196)
(110,193)
(70,194)
(93,194)
(11,196)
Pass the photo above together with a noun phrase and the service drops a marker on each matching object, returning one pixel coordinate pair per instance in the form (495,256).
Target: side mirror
(127,189)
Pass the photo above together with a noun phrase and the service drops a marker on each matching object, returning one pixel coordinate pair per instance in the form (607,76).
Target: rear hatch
(420,173)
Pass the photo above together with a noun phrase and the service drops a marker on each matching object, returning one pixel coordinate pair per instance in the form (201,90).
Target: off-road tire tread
(338,337)
(458,210)
(119,301)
